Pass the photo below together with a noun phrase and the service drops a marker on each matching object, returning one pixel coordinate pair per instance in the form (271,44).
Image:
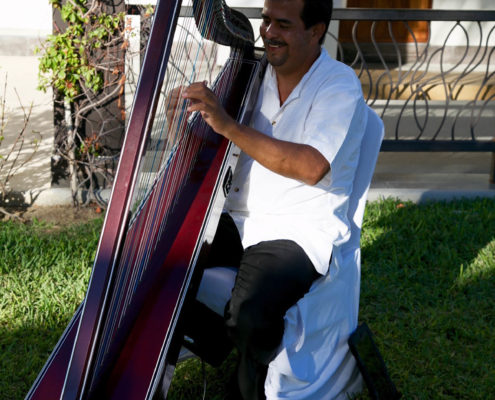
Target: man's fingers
(194,107)
(197,90)
(199,95)
(203,100)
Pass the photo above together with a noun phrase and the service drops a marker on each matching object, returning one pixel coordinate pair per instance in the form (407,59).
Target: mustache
(274,42)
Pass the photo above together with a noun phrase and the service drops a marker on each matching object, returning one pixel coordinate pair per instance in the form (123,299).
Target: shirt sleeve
(332,112)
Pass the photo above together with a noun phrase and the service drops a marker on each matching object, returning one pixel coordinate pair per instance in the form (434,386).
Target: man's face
(289,45)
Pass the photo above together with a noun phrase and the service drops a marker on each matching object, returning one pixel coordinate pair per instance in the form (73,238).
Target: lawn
(428,294)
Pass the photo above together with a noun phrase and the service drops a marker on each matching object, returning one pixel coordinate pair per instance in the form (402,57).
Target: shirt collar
(296,92)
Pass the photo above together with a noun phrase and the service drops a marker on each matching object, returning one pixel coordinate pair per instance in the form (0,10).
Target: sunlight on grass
(432,327)
(483,266)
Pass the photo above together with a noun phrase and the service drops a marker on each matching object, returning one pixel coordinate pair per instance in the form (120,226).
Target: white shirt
(326,110)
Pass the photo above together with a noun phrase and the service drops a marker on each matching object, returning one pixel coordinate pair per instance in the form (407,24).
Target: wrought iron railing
(430,74)
(435,92)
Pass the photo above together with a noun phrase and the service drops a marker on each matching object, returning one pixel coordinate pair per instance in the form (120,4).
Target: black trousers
(272,277)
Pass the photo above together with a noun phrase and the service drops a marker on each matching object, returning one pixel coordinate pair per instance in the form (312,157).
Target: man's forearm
(292,160)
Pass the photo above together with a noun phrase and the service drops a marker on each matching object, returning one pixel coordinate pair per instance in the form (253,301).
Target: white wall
(463,5)
(440,30)
(25,17)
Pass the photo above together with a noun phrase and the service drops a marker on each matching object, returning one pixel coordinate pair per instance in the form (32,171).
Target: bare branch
(10,215)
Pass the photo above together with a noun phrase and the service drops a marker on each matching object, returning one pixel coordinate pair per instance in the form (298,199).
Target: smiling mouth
(274,45)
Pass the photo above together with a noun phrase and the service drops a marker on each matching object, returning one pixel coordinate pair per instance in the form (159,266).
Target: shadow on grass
(23,353)
(428,293)
(43,274)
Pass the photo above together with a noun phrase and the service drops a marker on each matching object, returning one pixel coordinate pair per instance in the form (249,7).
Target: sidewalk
(20,74)
(415,177)
(421,177)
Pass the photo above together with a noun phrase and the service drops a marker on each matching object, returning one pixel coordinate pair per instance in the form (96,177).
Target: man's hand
(175,104)
(207,103)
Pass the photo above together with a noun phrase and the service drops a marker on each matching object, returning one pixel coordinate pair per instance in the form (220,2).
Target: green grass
(43,277)
(428,294)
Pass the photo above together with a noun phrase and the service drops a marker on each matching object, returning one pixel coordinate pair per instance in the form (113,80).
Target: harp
(173,176)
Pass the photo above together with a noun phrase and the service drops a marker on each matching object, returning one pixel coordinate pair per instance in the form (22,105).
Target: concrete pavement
(416,177)
(421,177)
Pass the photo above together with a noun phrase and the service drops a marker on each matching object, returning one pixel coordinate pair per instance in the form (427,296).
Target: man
(290,191)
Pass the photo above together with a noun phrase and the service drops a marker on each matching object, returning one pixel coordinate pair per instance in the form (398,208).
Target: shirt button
(274,123)
(236,189)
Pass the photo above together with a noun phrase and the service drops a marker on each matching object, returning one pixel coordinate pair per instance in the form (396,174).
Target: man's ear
(318,30)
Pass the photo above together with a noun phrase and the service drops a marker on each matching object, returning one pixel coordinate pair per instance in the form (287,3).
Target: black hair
(316,11)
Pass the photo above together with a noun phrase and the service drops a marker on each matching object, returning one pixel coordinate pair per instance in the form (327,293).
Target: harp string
(132,254)
(166,163)
(172,142)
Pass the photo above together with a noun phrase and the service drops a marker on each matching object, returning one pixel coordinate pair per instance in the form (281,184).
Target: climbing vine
(84,62)
(71,59)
